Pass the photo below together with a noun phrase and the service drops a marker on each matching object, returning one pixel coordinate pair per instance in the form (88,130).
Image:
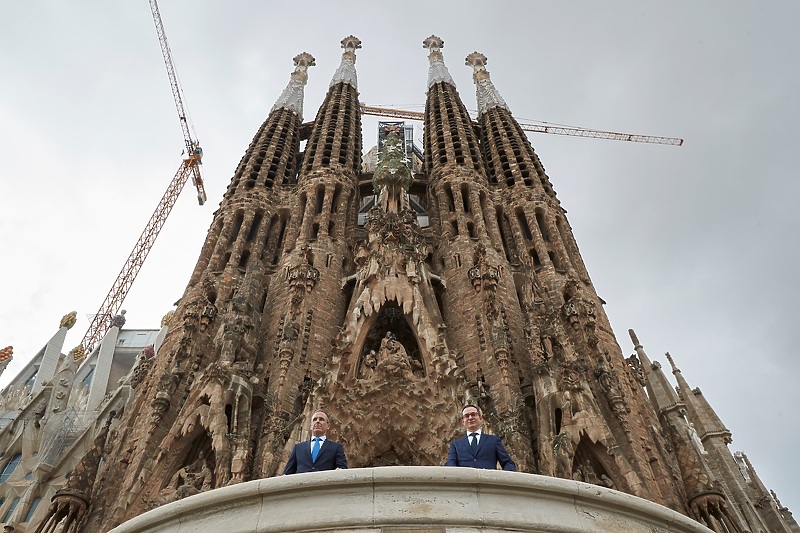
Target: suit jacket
(331,456)
(490,452)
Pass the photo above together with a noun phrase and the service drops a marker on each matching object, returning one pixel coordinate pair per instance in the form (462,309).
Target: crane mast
(190,167)
(538,128)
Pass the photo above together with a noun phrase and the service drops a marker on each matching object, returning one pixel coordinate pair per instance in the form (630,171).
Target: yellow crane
(189,167)
(539,128)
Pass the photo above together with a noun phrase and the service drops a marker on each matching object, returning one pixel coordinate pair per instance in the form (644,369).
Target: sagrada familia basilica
(390,293)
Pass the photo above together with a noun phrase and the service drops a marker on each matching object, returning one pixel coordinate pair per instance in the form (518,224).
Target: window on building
(10,466)
(34,505)
(88,379)
(10,510)
(32,379)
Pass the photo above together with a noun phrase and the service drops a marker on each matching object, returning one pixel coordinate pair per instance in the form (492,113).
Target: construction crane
(539,128)
(189,167)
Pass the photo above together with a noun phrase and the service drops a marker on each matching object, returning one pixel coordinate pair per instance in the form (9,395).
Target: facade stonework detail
(390,299)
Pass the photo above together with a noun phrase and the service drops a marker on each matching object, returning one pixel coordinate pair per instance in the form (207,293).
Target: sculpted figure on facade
(144,361)
(302,275)
(167,384)
(607,378)
(694,437)
(188,481)
(393,360)
(563,450)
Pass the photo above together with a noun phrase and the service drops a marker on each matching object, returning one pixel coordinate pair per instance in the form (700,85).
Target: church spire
(346,73)
(292,96)
(698,407)
(450,138)
(659,388)
(487,93)
(438,70)
(335,140)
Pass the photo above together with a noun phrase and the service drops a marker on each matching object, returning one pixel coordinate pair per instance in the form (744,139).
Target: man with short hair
(319,453)
(477,449)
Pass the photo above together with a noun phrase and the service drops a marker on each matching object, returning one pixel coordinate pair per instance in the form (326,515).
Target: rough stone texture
(391,327)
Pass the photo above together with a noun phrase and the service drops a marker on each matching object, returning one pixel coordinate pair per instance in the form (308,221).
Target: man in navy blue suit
(477,449)
(316,454)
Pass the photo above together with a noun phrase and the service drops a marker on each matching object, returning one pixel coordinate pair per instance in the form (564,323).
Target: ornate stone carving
(144,361)
(166,318)
(188,481)
(607,378)
(69,320)
(302,275)
(167,384)
(563,450)
(635,367)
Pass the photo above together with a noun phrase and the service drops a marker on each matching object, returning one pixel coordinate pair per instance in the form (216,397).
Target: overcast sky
(696,248)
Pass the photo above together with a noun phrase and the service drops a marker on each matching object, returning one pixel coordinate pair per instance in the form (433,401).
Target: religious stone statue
(188,481)
(393,358)
(369,364)
(694,437)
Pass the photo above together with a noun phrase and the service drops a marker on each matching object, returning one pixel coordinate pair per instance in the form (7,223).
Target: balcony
(412,499)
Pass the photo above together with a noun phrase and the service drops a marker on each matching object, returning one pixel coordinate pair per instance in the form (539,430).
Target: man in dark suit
(477,449)
(316,454)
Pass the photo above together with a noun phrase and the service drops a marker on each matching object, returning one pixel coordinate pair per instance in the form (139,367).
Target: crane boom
(101,322)
(539,128)
(190,167)
(192,146)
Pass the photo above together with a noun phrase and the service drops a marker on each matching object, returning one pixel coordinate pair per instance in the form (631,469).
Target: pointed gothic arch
(593,464)
(389,319)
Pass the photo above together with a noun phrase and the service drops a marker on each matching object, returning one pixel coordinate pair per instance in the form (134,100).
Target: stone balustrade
(412,499)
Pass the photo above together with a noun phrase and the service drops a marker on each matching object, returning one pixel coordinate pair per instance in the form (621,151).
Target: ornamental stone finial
(166,318)
(302,61)
(6,354)
(68,320)
(487,95)
(292,96)
(351,43)
(78,353)
(346,73)
(433,43)
(671,363)
(438,70)
(478,62)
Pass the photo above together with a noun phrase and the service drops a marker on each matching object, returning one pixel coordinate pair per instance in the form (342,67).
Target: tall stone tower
(392,325)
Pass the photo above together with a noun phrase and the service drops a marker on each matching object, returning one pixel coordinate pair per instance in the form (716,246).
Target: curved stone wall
(421,499)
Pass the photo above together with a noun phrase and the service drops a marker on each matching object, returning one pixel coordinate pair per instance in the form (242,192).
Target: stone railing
(425,499)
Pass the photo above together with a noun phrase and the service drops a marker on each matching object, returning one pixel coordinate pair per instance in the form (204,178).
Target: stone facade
(391,326)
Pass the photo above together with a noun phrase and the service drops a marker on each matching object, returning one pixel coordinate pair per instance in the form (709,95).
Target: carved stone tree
(392,375)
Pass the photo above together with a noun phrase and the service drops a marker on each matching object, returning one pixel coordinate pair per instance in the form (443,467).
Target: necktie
(473,444)
(315,449)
